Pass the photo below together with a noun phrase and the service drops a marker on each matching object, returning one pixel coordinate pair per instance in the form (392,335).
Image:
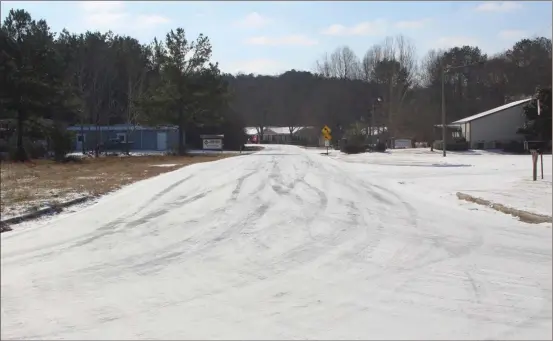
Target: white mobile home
(490,129)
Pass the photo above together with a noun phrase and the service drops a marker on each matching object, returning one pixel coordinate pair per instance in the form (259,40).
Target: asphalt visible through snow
(284,243)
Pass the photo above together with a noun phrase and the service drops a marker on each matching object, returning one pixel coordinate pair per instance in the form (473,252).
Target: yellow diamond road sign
(326,133)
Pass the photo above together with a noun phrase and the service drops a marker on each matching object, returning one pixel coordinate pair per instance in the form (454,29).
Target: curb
(50,209)
(524,216)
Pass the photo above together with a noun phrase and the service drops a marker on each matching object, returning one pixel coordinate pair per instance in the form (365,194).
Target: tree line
(53,80)
(344,88)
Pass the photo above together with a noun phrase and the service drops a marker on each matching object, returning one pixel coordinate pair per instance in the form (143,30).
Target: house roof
(280,130)
(273,130)
(118,127)
(492,111)
(250,130)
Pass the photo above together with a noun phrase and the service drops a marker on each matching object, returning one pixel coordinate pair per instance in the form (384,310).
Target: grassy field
(25,187)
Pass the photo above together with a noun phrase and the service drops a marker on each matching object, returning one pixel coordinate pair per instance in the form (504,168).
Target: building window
(122,137)
(80,138)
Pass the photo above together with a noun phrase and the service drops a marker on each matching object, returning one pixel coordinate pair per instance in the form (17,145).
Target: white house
(490,129)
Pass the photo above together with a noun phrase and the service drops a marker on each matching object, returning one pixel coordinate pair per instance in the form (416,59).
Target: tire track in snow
(315,247)
(288,262)
(117,266)
(373,228)
(451,253)
(237,230)
(310,250)
(412,217)
(257,276)
(189,245)
(399,265)
(194,250)
(119,225)
(152,266)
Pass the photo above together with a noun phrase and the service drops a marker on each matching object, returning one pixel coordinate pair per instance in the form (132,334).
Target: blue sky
(274,36)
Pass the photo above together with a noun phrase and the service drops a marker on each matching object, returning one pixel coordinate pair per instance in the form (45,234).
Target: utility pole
(372,125)
(444,131)
(377,99)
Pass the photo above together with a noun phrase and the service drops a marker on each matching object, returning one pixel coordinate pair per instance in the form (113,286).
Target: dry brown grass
(24,186)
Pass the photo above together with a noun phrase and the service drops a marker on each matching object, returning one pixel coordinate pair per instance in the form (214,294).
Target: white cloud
(498,6)
(101,6)
(295,40)
(412,24)
(152,19)
(455,41)
(111,15)
(367,28)
(547,32)
(253,20)
(512,35)
(255,66)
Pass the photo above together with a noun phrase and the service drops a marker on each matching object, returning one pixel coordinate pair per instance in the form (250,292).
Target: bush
(353,149)
(61,142)
(33,149)
(4,146)
(452,146)
(297,142)
(354,141)
(515,147)
(380,147)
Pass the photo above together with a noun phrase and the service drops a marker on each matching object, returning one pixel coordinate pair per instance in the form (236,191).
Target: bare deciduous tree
(392,67)
(323,68)
(342,63)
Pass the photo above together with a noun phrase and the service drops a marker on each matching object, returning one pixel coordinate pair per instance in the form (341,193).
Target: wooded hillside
(104,78)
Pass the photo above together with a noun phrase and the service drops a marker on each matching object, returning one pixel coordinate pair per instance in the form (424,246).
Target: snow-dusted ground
(501,178)
(159,152)
(165,165)
(281,244)
(49,198)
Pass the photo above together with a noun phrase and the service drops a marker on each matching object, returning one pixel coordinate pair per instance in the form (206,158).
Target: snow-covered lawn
(500,178)
(159,152)
(281,244)
(165,165)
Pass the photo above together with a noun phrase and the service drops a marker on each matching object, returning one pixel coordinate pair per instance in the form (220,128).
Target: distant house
(281,135)
(278,134)
(160,138)
(490,129)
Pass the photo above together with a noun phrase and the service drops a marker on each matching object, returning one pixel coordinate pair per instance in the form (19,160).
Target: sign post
(534,164)
(326,134)
(212,142)
(541,157)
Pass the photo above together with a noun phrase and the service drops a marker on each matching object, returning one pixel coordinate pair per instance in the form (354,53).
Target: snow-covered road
(281,244)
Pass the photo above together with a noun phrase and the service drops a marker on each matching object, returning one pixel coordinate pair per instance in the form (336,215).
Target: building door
(80,141)
(161,141)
